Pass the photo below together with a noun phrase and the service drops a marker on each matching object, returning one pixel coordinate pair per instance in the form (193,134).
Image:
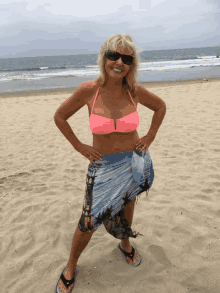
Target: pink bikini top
(103,125)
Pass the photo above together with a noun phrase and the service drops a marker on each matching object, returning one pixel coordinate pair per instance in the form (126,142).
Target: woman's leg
(125,244)
(129,211)
(80,241)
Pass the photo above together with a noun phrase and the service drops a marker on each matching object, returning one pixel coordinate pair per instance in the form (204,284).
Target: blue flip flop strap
(67,283)
(130,255)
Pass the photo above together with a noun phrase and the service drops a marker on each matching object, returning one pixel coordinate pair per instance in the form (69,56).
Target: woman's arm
(155,104)
(66,130)
(156,121)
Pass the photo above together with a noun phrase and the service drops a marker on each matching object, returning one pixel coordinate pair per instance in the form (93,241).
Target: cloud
(57,26)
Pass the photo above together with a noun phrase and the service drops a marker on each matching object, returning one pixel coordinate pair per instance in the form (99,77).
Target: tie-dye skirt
(110,186)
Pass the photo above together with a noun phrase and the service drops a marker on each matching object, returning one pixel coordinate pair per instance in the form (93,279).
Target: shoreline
(148,85)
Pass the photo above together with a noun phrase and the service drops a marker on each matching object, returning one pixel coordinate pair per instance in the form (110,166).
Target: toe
(62,288)
(134,259)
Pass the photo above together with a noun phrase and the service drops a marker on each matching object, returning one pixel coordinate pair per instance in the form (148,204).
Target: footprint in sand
(159,254)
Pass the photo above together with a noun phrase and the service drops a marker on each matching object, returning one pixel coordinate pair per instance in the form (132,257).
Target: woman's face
(110,65)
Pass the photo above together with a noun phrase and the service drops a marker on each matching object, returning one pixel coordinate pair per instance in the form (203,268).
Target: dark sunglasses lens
(112,55)
(127,59)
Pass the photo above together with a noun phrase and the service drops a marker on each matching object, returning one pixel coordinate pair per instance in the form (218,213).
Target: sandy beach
(42,185)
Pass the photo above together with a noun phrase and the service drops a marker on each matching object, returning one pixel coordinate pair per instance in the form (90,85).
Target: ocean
(62,72)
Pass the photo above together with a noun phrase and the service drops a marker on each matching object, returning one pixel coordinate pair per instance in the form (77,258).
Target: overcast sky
(68,27)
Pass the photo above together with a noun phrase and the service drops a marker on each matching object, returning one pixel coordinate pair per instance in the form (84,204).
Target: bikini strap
(94,100)
(132,100)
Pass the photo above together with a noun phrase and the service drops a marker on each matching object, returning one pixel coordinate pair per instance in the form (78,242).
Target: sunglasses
(113,56)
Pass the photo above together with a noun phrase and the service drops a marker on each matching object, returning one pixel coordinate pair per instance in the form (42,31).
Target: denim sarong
(110,186)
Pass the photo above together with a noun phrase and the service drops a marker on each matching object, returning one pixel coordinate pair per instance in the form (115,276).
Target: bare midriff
(113,106)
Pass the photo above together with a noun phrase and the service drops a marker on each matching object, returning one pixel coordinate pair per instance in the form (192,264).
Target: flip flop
(130,255)
(67,283)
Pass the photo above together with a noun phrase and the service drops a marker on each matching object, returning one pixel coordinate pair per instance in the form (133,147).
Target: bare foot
(68,274)
(129,249)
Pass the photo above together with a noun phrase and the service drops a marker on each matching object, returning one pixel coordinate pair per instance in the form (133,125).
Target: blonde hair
(111,44)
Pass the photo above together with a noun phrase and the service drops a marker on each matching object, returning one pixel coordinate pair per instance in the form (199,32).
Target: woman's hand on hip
(89,152)
(144,142)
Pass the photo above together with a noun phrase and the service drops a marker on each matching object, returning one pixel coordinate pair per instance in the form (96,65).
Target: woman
(112,184)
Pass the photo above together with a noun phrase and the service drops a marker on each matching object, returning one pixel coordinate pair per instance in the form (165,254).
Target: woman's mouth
(117,70)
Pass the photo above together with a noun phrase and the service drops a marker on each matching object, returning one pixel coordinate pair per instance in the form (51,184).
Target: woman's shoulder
(90,85)
(90,88)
